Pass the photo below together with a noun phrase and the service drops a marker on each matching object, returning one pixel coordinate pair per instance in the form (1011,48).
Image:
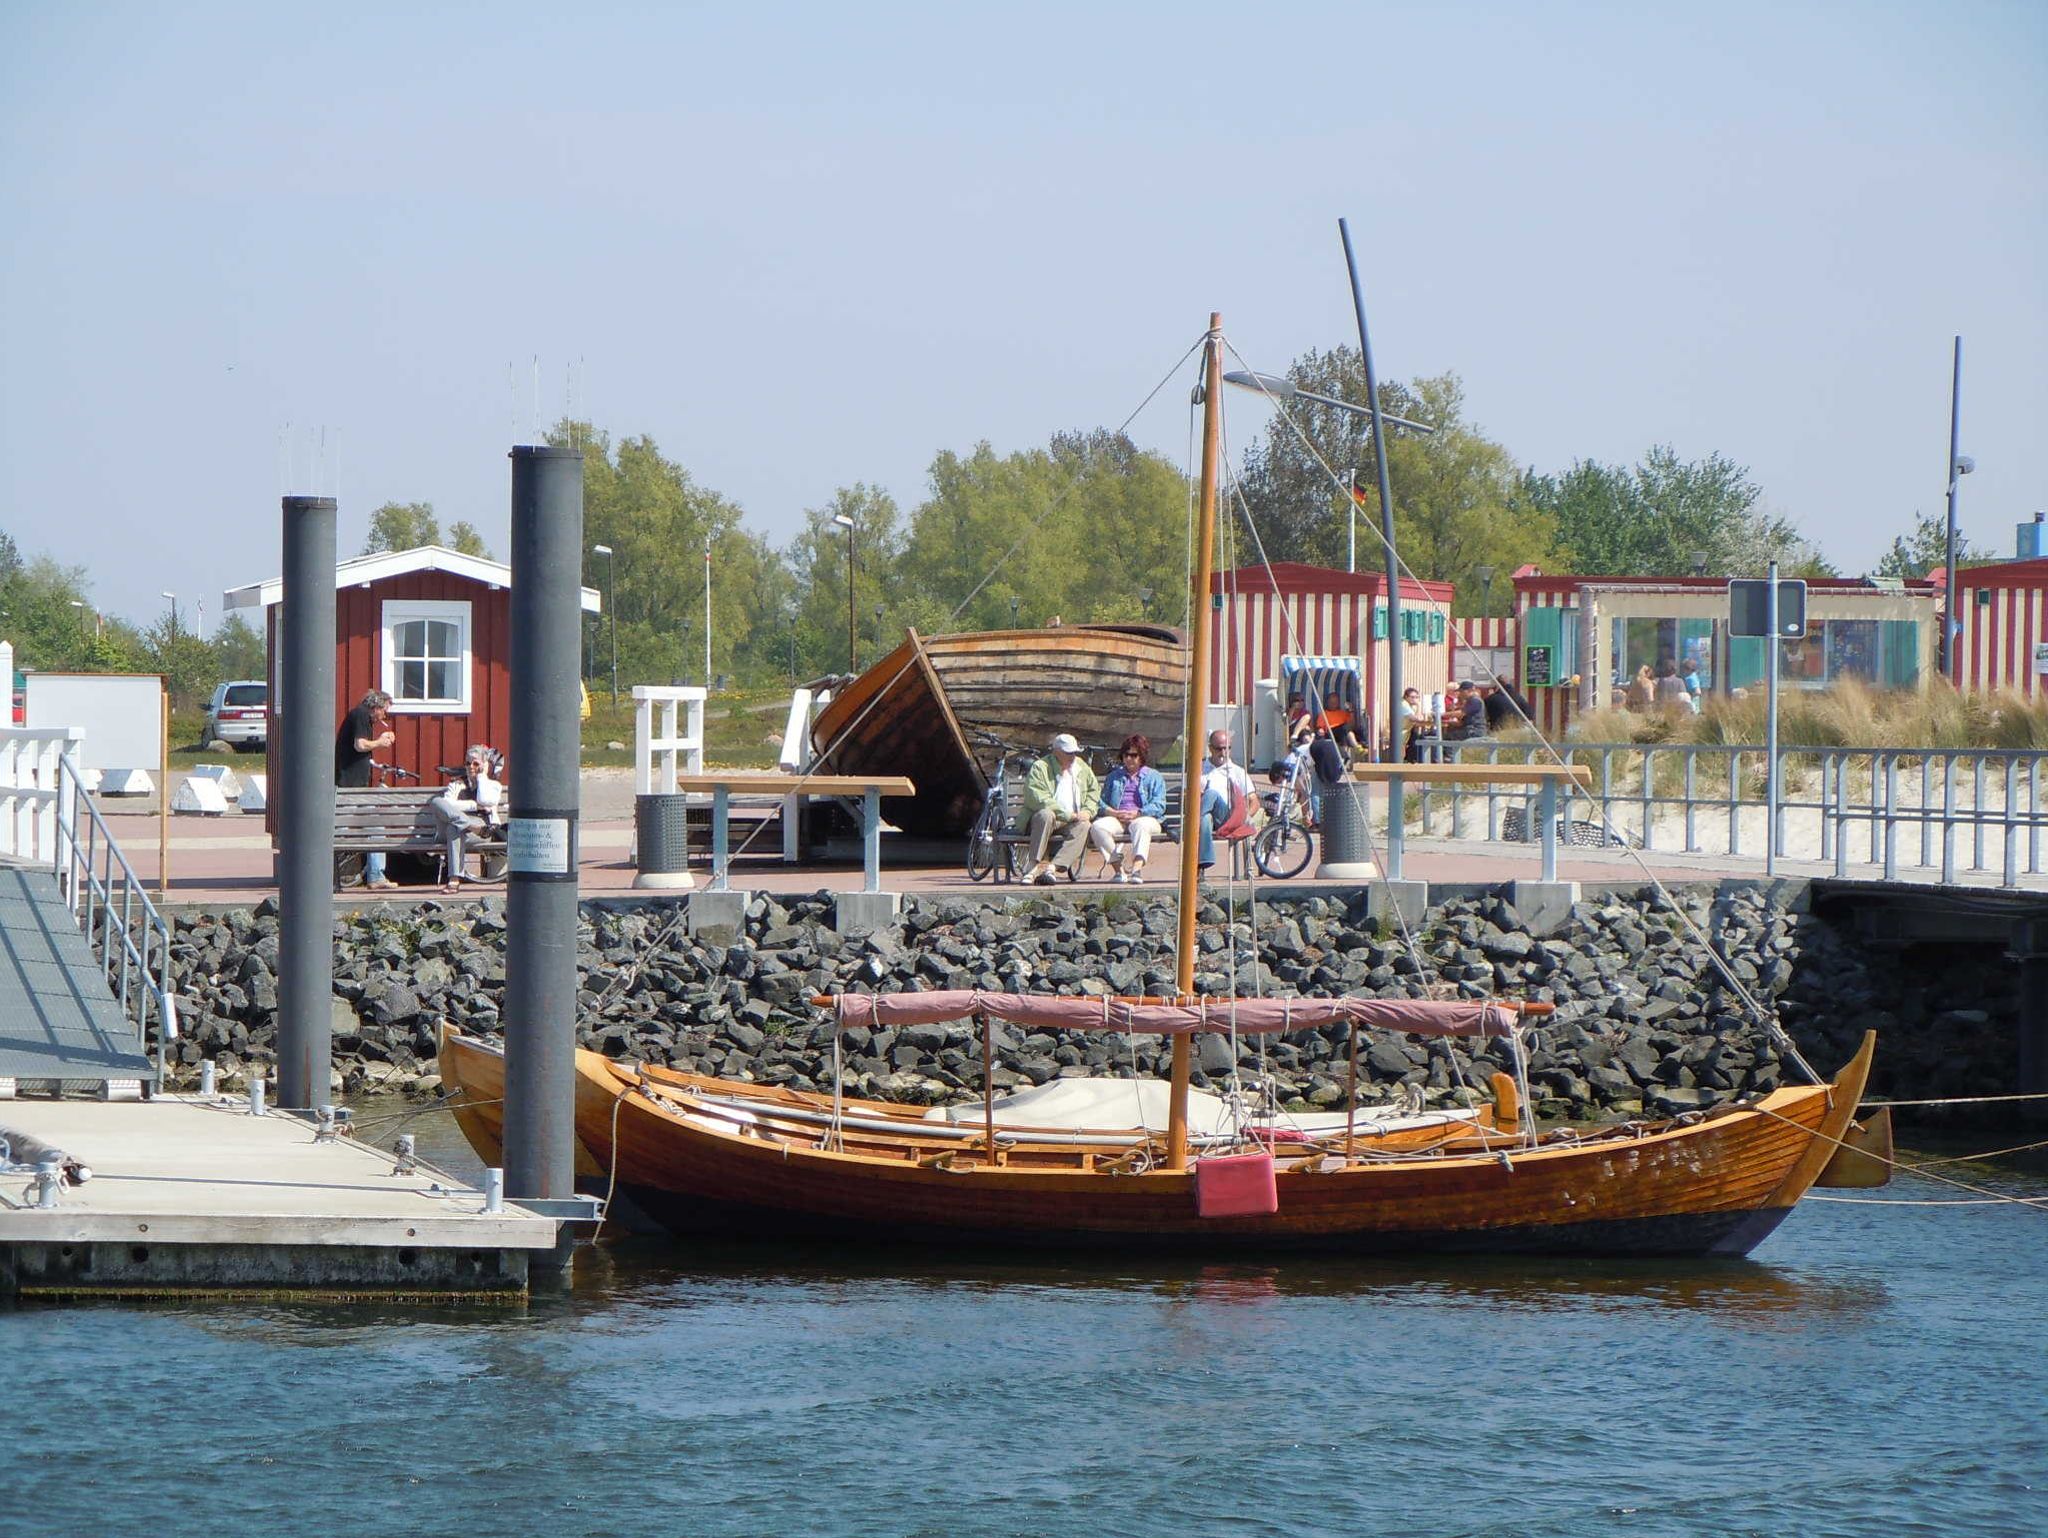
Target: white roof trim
(365,569)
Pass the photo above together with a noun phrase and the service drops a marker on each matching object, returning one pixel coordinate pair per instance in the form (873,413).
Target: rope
(611,1183)
(1996,1153)
(1956,1100)
(1894,1201)
(1769,1021)
(1061,495)
(2036,1203)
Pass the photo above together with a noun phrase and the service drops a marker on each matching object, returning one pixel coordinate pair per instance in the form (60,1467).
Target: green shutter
(1901,649)
(1437,626)
(1542,628)
(1379,620)
(1746,661)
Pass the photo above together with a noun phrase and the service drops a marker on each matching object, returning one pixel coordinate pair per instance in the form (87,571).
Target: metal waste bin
(1346,853)
(661,840)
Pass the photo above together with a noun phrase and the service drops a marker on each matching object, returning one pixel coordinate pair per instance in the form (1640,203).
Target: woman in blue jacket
(1133,802)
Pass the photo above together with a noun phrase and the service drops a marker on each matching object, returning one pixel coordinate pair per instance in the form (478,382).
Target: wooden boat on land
(922,710)
(701,1155)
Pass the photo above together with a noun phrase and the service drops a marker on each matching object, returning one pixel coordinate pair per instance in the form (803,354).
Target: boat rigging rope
(1767,1019)
(1032,523)
(2036,1203)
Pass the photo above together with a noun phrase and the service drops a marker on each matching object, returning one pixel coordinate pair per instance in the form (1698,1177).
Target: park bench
(397,819)
(1015,839)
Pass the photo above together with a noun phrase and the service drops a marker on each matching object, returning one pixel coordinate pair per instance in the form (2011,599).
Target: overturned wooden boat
(705,1156)
(924,709)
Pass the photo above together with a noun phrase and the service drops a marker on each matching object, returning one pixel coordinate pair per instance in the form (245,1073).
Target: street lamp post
(707,613)
(1485,576)
(1959,465)
(611,604)
(845,521)
(1013,612)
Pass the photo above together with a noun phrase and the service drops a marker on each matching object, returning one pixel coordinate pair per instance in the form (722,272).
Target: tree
(464,539)
(1665,516)
(403,526)
(1457,502)
(1925,550)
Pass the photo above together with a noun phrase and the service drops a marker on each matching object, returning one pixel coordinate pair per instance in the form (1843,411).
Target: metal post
(1977,815)
(871,840)
(1951,621)
(1771,736)
(1397,834)
(1395,810)
(1546,809)
(542,842)
(2010,876)
(852,636)
(305,804)
(1948,819)
(707,613)
(721,837)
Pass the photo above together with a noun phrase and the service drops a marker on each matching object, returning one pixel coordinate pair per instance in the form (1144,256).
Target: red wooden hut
(430,627)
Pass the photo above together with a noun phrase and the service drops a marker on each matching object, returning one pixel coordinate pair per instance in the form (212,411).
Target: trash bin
(1346,853)
(661,841)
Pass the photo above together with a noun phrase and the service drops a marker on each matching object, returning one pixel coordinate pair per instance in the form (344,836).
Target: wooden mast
(1194,752)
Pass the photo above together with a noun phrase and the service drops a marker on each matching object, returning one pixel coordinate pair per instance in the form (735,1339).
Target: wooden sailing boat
(924,710)
(703,1155)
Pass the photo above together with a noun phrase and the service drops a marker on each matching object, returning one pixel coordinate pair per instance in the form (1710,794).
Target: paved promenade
(218,862)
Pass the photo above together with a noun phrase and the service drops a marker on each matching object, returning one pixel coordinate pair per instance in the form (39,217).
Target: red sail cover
(1415,1017)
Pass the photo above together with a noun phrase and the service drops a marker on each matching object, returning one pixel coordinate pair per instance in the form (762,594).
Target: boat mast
(1194,752)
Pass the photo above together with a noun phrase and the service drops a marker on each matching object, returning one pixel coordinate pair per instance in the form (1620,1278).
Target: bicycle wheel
(1282,849)
(982,850)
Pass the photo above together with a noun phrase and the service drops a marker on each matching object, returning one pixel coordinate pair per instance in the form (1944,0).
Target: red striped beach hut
(2002,642)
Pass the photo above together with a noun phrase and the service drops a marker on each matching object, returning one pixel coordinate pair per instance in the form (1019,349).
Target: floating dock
(190,1195)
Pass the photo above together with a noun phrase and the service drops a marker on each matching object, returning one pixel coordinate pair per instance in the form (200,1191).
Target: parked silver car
(236,715)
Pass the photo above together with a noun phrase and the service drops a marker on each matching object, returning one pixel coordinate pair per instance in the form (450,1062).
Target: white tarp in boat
(1131,1103)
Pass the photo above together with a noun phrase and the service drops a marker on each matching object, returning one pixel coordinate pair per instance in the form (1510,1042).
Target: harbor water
(1872,1369)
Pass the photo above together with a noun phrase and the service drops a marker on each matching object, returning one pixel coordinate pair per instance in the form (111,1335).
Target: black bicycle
(986,850)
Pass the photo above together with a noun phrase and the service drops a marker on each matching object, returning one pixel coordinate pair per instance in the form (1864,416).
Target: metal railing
(1929,807)
(129,937)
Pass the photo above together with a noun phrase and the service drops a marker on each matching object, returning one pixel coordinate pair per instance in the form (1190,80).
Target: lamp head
(843,520)
(1964,464)
(1279,386)
(600,549)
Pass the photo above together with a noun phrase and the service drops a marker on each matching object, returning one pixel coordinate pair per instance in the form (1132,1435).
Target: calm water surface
(1874,1370)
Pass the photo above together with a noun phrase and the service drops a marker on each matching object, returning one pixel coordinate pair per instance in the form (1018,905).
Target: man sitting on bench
(470,805)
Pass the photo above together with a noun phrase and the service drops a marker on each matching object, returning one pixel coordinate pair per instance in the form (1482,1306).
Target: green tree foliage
(1457,502)
(1665,516)
(403,526)
(238,649)
(1925,549)
(1078,531)
(656,521)
(464,539)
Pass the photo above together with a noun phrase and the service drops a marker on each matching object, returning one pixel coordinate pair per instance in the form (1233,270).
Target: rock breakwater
(1644,1022)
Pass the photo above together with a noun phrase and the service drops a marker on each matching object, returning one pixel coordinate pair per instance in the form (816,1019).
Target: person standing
(364,730)
(1059,796)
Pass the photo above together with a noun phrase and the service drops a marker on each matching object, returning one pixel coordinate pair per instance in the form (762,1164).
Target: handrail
(93,877)
(1654,792)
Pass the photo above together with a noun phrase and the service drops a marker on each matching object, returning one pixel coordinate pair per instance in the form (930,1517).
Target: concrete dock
(196,1196)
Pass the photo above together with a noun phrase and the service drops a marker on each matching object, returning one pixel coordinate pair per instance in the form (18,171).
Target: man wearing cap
(1060,796)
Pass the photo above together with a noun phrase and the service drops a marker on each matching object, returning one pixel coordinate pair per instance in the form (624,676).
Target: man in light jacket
(1060,798)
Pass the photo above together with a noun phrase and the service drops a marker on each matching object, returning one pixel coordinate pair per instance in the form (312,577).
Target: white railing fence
(1979,809)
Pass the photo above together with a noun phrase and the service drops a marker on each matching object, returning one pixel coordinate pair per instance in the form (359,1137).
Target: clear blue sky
(802,246)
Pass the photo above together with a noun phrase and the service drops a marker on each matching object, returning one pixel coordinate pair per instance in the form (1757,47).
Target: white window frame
(398,611)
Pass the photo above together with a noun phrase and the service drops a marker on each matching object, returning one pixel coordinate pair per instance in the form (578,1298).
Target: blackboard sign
(1536,667)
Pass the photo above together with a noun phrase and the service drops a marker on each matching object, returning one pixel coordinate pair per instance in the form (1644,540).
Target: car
(238,713)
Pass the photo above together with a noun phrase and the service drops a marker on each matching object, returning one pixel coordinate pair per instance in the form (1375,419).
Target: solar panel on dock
(58,1018)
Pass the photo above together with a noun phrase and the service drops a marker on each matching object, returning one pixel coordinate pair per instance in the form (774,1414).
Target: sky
(262,248)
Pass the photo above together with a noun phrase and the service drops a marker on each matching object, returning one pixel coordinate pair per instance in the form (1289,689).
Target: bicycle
(985,847)
(1283,847)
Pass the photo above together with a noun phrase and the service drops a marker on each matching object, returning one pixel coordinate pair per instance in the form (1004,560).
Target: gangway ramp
(59,1018)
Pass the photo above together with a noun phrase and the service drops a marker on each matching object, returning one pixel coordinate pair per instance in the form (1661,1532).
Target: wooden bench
(396,819)
(1015,840)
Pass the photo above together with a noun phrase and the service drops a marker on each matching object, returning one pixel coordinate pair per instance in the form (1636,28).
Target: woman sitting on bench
(471,805)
